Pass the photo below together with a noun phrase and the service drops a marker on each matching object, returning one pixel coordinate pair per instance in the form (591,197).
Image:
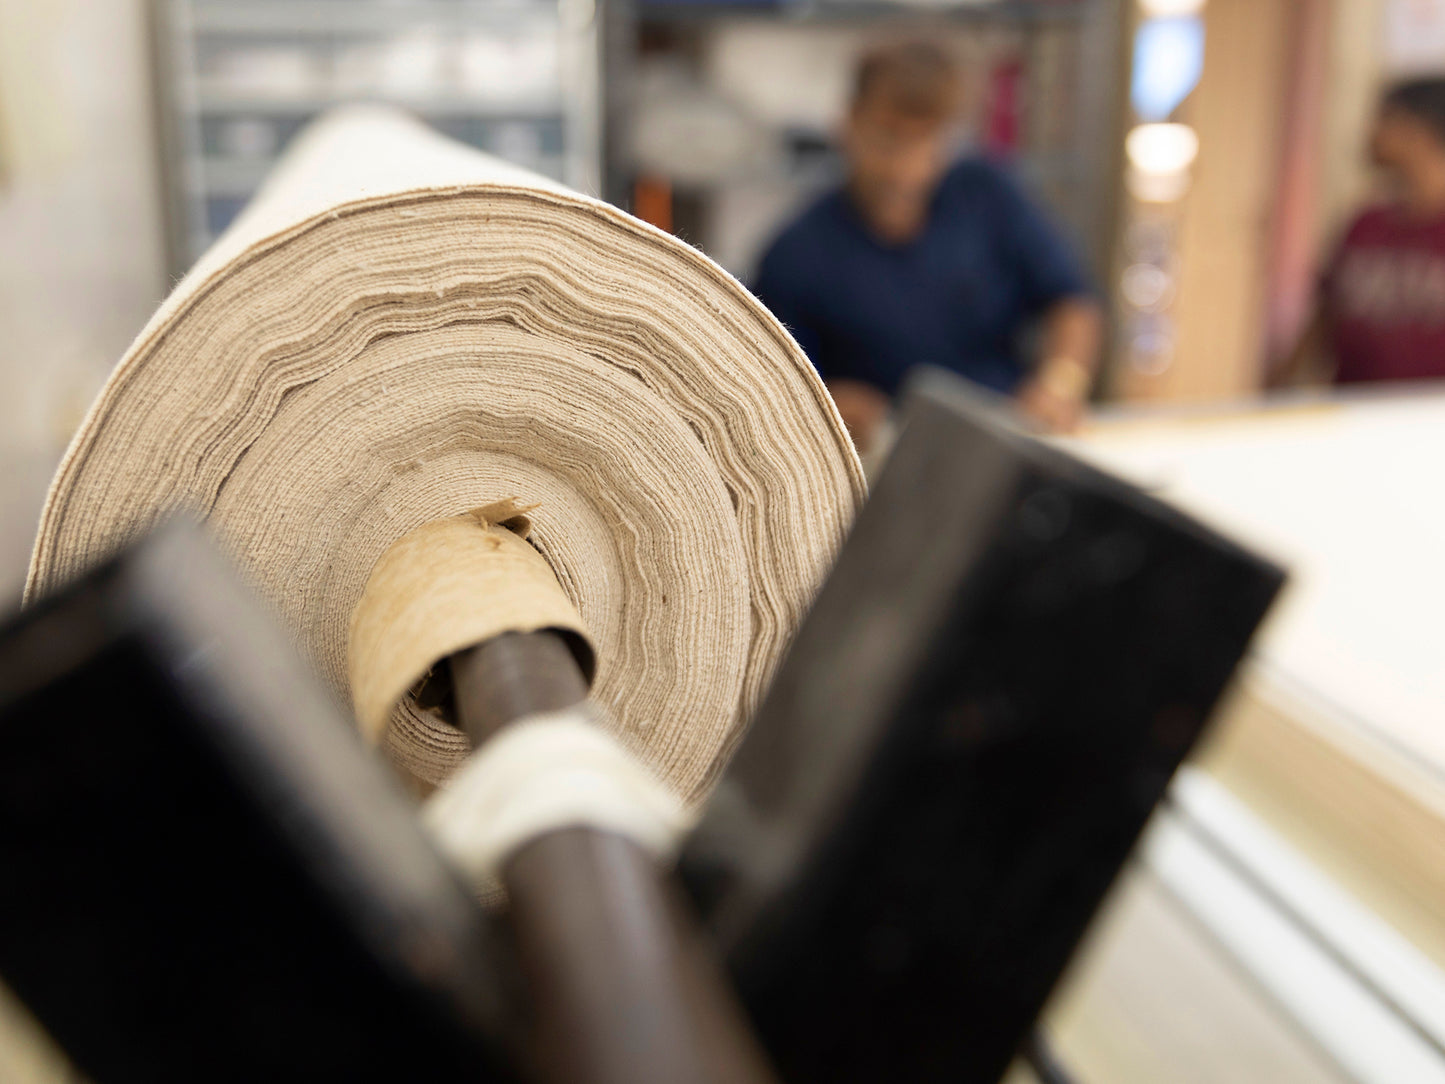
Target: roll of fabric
(399,330)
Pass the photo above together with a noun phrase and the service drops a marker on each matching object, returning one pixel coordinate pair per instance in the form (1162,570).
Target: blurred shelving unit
(238,78)
(720,115)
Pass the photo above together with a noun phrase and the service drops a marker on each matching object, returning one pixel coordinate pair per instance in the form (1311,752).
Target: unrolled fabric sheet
(400,329)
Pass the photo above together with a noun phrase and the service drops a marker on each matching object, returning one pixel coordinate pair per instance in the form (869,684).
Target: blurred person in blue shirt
(919,259)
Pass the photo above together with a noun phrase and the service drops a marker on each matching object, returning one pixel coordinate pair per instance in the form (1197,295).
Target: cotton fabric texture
(400,330)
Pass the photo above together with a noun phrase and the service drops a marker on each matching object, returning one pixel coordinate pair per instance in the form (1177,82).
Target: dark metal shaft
(510,676)
(626,991)
(622,989)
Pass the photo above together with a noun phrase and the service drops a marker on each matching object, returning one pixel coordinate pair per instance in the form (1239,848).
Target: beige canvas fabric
(399,330)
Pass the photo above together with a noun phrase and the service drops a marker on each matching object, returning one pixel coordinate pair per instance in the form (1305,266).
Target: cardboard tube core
(449,585)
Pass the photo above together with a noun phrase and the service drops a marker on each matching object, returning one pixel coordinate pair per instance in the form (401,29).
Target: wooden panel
(1355,76)
(1294,256)
(1225,219)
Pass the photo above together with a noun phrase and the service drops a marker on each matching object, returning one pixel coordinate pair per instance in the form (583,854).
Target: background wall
(81,260)
(81,268)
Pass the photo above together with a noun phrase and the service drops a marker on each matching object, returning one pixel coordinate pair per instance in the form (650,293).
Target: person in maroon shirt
(1381,312)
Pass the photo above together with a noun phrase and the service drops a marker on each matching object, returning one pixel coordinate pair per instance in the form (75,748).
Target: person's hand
(1054,396)
(863,408)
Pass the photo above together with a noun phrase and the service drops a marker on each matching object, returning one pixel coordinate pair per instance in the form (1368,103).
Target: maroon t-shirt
(1384,298)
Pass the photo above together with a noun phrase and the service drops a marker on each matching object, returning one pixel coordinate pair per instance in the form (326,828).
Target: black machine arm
(206,876)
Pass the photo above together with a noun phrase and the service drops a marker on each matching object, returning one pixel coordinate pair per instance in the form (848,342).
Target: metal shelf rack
(236,79)
(1067,52)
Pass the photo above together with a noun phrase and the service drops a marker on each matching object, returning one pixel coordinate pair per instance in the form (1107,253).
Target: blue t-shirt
(957,296)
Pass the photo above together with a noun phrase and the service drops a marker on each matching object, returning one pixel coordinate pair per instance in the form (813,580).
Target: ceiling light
(1162,150)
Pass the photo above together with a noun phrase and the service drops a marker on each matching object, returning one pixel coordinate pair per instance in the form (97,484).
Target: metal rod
(628,993)
(513,675)
(622,989)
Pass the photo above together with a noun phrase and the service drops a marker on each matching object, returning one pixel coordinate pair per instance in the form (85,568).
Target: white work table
(1307,840)
(1347,494)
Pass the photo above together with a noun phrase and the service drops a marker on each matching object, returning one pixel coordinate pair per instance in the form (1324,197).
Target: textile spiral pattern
(400,329)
